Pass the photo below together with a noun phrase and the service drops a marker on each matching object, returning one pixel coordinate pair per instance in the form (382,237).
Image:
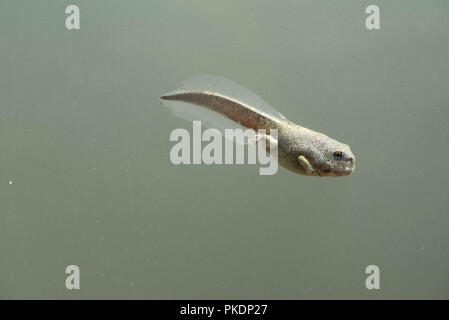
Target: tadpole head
(333,158)
(342,161)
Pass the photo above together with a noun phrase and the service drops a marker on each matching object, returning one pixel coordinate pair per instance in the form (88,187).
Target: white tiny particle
(10,182)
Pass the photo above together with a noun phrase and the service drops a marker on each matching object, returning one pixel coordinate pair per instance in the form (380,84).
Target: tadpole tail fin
(220,103)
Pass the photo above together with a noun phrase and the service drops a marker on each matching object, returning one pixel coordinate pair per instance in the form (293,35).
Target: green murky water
(85,175)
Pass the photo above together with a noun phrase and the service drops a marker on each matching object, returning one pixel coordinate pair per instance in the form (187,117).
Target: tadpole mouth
(344,170)
(348,170)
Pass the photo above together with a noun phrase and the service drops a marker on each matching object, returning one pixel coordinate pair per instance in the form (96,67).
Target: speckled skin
(294,141)
(317,148)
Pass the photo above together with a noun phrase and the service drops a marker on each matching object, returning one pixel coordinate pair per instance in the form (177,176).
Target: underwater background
(86,179)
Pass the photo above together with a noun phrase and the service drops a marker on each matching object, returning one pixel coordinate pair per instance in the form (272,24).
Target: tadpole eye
(338,155)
